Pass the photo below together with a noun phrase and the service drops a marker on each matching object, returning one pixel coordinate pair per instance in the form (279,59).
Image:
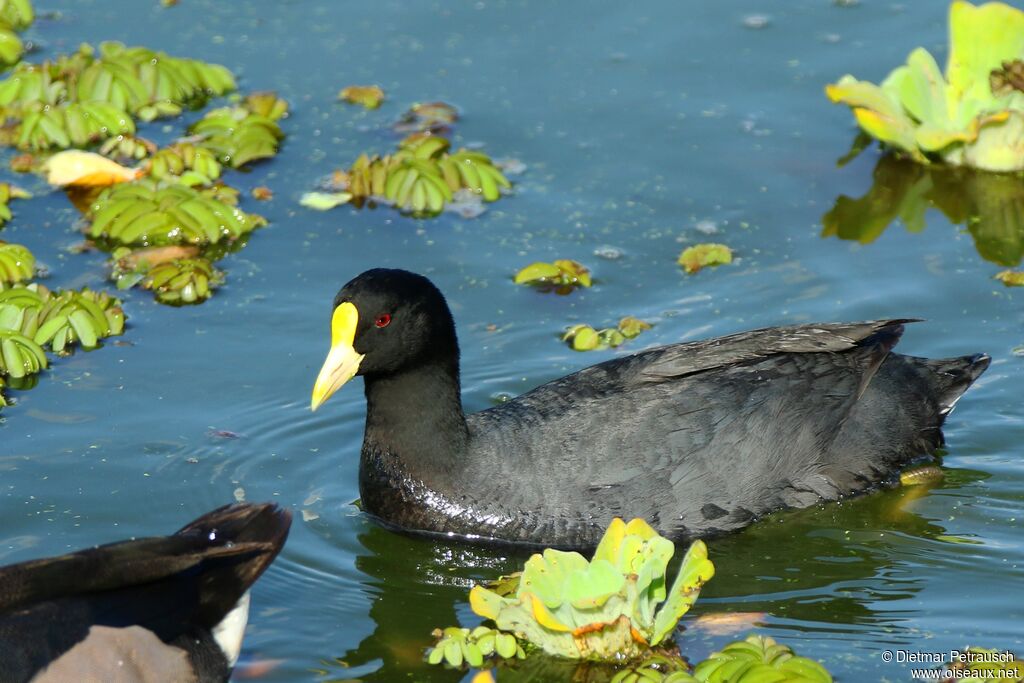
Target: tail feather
(950,377)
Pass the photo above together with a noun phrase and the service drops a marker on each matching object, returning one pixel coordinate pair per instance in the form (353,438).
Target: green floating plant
(586,338)
(367,96)
(759,659)
(127,146)
(971,115)
(457,645)
(1011,278)
(185,162)
(15,15)
(146,212)
(149,83)
(427,117)
(60,319)
(603,609)
(244,133)
(700,256)
(420,178)
(19,355)
(562,276)
(85,97)
(16,263)
(183,281)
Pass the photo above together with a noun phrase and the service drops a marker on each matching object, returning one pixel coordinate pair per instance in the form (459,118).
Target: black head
(386,322)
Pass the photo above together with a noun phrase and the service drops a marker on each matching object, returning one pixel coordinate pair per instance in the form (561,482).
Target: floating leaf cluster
(243,133)
(188,163)
(605,608)
(427,117)
(146,213)
(971,115)
(183,281)
(562,276)
(759,659)
(33,318)
(15,15)
(586,338)
(614,610)
(87,97)
(457,645)
(61,319)
(421,177)
(17,263)
(368,96)
(700,256)
(1011,278)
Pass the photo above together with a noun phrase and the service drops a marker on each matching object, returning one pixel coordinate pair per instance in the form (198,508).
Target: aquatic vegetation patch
(586,338)
(34,318)
(1011,278)
(562,276)
(615,610)
(756,659)
(420,178)
(17,263)
(146,212)
(183,281)
(15,15)
(969,116)
(603,608)
(692,259)
(186,163)
(367,96)
(427,117)
(457,645)
(243,133)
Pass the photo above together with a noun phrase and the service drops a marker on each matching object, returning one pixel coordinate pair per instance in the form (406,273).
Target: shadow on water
(990,205)
(830,568)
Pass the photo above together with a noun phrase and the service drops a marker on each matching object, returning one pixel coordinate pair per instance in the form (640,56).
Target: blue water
(643,126)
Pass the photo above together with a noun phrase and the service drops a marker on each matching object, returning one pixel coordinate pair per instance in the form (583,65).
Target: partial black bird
(697,438)
(169,608)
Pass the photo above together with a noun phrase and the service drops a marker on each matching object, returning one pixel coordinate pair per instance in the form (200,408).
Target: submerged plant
(967,116)
(586,338)
(605,608)
(562,276)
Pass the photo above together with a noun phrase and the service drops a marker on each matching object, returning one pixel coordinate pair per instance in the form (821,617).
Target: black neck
(414,421)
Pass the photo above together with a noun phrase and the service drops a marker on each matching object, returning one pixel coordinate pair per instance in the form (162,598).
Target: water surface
(644,127)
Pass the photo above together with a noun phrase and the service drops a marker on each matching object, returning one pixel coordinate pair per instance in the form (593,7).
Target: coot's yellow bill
(342,360)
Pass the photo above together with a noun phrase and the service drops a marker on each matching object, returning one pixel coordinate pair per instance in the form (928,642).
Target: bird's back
(704,437)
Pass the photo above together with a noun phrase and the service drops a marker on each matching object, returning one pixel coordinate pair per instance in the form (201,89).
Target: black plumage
(70,613)
(697,438)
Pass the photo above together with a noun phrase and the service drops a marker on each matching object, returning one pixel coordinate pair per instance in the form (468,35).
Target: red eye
(383,320)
